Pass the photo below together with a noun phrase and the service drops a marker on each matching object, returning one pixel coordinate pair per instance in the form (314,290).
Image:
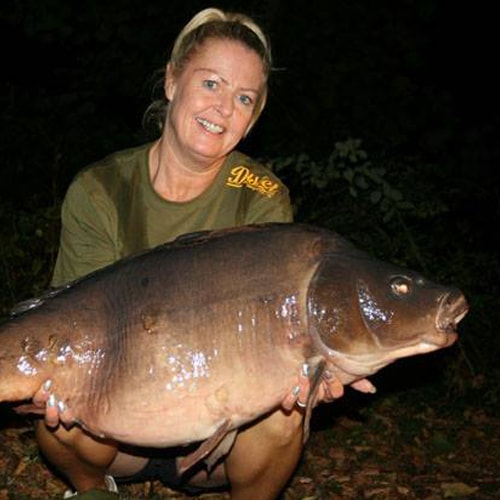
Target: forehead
(229,58)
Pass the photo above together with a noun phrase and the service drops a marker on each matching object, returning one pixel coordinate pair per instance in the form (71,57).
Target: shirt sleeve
(86,243)
(277,208)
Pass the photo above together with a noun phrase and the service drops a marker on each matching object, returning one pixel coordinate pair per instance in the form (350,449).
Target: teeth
(211,127)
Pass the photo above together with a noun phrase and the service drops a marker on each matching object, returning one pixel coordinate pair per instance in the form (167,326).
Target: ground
(408,445)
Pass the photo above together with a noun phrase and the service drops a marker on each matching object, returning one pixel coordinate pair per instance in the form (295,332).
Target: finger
(57,412)
(42,395)
(65,414)
(364,385)
(304,386)
(289,402)
(300,393)
(334,388)
(51,412)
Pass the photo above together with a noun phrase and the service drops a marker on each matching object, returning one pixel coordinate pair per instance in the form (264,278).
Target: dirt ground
(401,446)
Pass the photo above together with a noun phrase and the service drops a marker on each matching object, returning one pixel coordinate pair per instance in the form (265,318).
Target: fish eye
(400,286)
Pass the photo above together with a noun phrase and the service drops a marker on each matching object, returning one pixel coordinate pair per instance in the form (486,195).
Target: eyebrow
(210,70)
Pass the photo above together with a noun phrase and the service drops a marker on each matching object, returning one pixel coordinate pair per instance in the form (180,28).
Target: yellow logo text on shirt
(243,177)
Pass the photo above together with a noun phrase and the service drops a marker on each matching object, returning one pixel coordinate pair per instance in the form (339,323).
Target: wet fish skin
(167,347)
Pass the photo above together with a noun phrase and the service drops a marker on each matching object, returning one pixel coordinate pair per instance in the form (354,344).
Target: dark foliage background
(383,119)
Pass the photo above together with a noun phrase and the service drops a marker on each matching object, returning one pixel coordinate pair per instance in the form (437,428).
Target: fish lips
(453,307)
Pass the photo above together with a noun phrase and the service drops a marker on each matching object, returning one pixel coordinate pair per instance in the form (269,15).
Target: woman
(190,179)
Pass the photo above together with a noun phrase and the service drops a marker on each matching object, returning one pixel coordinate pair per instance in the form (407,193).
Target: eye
(400,286)
(245,100)
(210,84)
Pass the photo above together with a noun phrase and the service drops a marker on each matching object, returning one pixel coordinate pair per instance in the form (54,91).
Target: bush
(28,248)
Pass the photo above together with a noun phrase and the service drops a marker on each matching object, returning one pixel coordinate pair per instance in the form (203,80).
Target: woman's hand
(330,388)
(56,411)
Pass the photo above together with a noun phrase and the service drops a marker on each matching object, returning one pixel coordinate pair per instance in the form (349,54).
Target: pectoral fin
(315,379)
(221,449)
(208,447)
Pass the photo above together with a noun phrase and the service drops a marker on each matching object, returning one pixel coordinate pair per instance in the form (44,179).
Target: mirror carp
(192,339)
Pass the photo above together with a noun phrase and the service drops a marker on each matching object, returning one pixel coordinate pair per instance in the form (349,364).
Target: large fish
(190,340)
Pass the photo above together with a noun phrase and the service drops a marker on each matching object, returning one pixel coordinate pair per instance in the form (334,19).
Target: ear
(170,83)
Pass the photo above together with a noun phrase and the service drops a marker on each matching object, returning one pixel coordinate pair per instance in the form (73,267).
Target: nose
(225,104)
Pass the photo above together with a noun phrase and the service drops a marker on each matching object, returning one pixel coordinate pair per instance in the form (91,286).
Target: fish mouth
(452,309)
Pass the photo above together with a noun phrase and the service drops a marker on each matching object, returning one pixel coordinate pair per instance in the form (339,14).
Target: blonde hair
(214,23)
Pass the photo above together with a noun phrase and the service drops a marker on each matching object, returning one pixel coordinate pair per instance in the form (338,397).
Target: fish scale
(192,339)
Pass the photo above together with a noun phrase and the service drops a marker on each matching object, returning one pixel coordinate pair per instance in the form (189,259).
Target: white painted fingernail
(305,369)
(61,407)
(51,401)
(47,385)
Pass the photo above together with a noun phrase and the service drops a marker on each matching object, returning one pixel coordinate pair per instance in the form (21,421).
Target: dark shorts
(162,467)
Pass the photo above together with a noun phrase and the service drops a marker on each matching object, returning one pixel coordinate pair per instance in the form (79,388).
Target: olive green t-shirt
(111,209)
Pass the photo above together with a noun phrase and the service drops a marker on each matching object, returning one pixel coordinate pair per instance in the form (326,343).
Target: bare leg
(82,459)
(265,456)
(259,465)
(130,461)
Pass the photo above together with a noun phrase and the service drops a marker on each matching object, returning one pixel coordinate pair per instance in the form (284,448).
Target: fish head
(366,313)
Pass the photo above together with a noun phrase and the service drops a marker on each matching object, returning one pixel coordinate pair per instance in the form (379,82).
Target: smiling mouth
(209,126)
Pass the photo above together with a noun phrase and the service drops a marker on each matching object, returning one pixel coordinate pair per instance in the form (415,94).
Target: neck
(175,179)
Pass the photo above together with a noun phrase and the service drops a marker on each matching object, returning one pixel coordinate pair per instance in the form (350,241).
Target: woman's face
(213,98)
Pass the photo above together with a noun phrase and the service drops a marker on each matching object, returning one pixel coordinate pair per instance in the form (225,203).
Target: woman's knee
(277,432)
(74,442)
(281,428)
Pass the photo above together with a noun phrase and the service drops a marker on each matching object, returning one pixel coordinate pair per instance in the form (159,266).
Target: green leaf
(375,196)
